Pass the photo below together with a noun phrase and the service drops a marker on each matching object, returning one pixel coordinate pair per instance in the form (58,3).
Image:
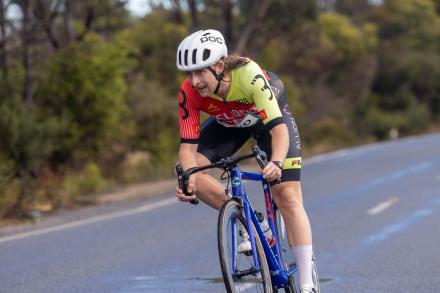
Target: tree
(192,4)
(26,40)
(228,21)
(3,37)
(46,12)
(259,11)
(84,89)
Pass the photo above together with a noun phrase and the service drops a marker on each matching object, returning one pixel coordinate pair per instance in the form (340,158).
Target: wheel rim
(248,280)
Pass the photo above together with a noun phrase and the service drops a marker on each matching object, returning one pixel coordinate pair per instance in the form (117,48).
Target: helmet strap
(218,77)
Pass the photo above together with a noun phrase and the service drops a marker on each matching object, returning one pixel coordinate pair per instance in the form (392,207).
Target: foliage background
(88,92)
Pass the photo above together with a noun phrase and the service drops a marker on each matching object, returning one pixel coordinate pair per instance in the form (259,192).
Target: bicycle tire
(292,288)
(231,210)
(286,252)
(315,276)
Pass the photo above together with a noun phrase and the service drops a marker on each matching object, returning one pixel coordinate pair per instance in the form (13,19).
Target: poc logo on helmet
(211,39)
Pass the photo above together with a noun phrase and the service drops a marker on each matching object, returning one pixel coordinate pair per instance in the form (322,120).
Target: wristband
(279,164)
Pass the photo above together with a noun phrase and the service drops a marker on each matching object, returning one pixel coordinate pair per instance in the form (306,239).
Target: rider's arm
(280,142)
(270,114)
(187,159)
(187,155)
(189,121)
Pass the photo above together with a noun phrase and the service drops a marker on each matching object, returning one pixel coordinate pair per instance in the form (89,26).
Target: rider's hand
(191,189)
(271,172)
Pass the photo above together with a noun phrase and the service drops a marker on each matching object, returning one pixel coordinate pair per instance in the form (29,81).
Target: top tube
(251,176)
(229,163)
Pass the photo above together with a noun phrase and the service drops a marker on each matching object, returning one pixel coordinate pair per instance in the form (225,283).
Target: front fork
(249,223)
(235,231)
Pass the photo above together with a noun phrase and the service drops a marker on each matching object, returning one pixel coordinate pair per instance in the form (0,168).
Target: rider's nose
(192,79)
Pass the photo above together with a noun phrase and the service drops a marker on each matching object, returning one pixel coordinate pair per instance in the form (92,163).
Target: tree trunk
(88,22)
(177,11)
(3,53)
(255,19)
(26,43)
(193,10)
(46,17)
(227,19)
(67,22)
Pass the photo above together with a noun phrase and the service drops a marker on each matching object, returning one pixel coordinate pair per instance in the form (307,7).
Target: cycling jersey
(250,99)
(217,141)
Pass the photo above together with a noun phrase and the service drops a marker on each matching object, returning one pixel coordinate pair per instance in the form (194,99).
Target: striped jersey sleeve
(189,113)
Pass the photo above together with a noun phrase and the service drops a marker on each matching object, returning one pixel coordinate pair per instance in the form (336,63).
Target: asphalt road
(374,213)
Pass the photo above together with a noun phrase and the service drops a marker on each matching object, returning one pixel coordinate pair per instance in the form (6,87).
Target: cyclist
(243,101)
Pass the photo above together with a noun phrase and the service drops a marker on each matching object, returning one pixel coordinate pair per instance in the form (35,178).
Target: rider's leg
(209,189)
(216,142)
(212,192)
(288,198)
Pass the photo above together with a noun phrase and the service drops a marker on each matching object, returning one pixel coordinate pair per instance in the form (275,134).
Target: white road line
(139,210)
(382,206)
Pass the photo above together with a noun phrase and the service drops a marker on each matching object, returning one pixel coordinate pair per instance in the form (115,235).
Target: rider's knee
(288,196)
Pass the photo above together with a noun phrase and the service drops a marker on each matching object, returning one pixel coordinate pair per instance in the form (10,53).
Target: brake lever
(183,182)
(261,157)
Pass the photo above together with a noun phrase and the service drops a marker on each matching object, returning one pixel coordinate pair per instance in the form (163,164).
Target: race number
(248,120)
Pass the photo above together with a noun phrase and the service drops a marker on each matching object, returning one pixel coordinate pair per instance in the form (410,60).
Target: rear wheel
(244,278)
(315,275)
(288,258)
(286,253)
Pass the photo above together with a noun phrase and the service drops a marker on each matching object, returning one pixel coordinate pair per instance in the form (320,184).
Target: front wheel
(238,269)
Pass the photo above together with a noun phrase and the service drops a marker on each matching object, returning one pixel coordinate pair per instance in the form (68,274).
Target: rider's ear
(220,66)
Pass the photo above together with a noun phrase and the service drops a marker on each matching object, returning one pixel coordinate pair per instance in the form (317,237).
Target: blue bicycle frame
(277,270)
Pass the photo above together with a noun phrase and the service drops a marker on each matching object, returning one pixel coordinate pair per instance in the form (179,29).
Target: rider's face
(203,80)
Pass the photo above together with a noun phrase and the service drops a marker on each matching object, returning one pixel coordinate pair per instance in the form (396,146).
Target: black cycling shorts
(217,141)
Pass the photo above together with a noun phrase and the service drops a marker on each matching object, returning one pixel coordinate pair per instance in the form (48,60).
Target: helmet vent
(194,60)
(185,58)
(180,57)
(206,54)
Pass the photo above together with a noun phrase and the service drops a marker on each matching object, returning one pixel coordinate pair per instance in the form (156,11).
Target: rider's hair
(233,61)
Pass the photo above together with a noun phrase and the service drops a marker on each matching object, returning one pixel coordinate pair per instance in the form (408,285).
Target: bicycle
(267,267)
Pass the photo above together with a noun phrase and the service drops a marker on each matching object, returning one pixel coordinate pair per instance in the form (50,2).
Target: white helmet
(201,49)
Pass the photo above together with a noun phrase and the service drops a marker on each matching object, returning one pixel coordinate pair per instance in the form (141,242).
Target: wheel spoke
(238,269)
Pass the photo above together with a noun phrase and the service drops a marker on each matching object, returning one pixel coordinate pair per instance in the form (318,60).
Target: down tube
(271,220)
(281,278)
(238,191)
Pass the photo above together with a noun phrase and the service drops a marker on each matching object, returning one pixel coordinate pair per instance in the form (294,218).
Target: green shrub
(328,134)
(135,167)
(85,90)
(90,180)
(9,186)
